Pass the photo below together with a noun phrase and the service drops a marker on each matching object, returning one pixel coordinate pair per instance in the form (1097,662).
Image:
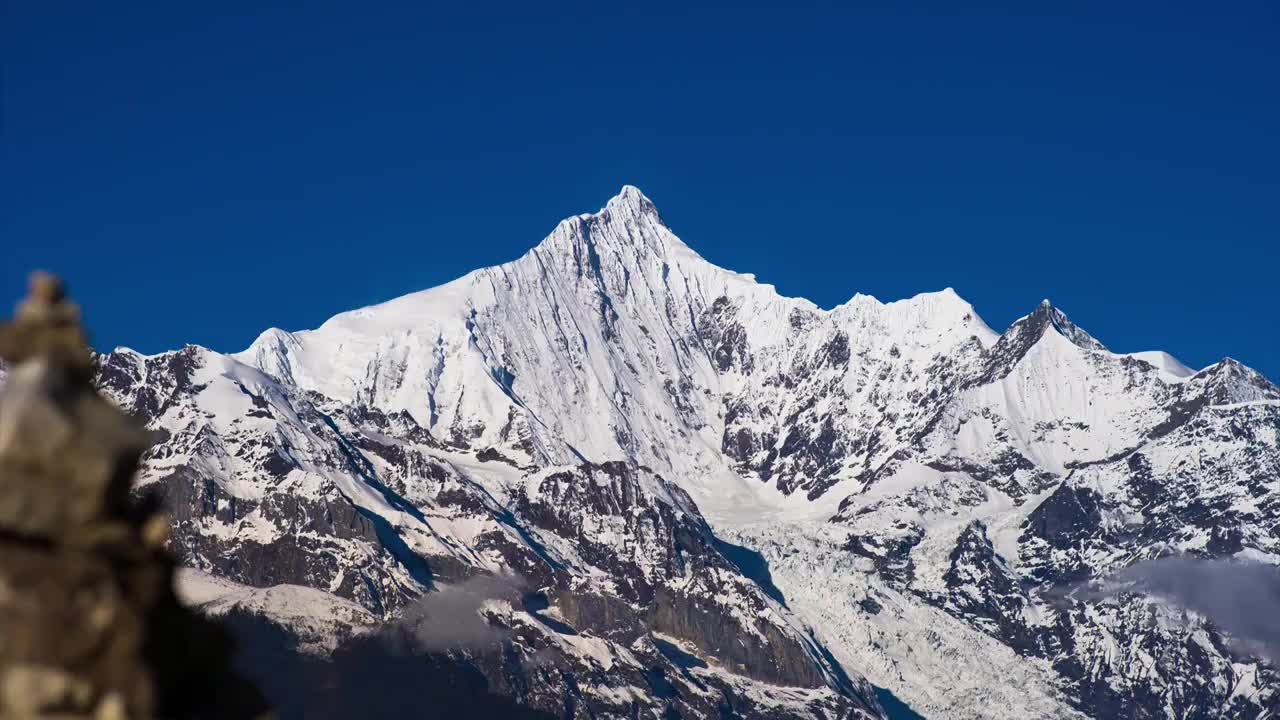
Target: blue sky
(199,176)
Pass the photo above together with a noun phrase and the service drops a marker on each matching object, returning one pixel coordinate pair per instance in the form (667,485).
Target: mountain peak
(1027,331)
(1230,380)
(628,226)
(631,201)
(1047,316)
(631,192)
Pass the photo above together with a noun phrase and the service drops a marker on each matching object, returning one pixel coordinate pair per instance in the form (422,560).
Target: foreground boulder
(91,627)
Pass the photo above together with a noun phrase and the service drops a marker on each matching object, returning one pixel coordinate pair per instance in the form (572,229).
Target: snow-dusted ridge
(905,490)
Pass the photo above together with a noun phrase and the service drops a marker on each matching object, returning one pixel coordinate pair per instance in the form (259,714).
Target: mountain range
(611,479)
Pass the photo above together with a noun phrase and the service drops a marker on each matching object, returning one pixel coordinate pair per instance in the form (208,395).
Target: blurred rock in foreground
(89,624)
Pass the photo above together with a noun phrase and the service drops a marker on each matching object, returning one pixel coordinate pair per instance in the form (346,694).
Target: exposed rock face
(665,566)
(924,496)
(90,625)
(981,587)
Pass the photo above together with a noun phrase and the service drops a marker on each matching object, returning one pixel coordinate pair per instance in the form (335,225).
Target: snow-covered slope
(332,519)
(766,499)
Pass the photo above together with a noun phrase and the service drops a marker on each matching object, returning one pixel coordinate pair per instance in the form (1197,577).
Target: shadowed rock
(90,624)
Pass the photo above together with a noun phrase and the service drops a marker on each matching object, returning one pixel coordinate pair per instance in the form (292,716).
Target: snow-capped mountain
(714,499)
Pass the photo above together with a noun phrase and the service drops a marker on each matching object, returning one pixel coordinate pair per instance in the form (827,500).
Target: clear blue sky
(202,171)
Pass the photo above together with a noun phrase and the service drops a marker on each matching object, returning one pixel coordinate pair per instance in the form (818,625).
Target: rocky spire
(1025,332)
(90,624)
